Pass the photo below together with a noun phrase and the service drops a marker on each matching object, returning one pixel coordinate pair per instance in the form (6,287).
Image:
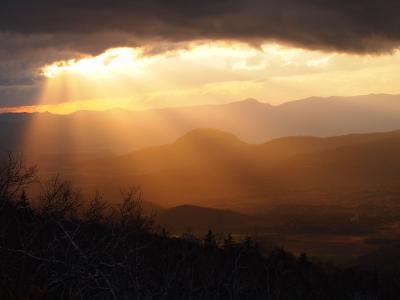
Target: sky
(68,55)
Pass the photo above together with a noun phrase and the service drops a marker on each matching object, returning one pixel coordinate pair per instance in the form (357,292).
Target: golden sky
(210,73)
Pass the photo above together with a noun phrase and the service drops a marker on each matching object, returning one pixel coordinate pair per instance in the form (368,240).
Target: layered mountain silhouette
(252,121)
(213,168)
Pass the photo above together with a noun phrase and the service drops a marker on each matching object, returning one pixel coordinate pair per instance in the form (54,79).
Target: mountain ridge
(249,101)
(289,170)
(250,120)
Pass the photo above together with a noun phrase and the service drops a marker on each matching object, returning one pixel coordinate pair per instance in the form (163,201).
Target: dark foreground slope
(59,250)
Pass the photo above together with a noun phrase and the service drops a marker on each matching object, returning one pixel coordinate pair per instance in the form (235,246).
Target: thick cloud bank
(344,25)
(33,33)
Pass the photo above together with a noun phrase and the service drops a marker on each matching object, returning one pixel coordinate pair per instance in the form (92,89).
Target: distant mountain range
(252,121)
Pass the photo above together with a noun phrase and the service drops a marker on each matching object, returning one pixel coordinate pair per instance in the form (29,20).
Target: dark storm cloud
(35,33)
(348,26)
(14,96)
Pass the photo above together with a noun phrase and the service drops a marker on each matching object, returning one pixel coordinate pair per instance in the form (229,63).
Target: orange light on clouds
(113,60)
(210,73)
(102,82)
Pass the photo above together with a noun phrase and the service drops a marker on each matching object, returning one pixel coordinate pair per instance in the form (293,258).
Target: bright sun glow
(115,59)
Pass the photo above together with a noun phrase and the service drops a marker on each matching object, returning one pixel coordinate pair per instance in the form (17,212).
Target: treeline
(57,247)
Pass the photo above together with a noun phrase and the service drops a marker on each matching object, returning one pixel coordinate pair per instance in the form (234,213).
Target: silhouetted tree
(209,240)
(14,176)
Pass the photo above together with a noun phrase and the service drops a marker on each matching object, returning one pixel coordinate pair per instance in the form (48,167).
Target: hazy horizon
(35,109)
